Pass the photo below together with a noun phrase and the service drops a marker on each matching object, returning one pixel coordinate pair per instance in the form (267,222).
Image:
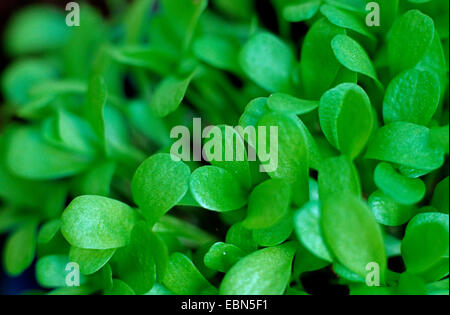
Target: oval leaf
(337,111)
(268,61)
(352,234)
(404,190)
(412,96)
(159,184)
(216,189)
(94,222)
(266,271)
(268,203)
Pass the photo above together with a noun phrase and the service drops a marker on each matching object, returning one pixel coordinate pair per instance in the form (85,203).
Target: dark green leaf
(440,196)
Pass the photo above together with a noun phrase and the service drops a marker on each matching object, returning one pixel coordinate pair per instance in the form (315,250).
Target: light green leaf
(183,277)
(352,234)
(410,38)
(159,184)
(31,157)
(217,189)
(241,237)
(426,242)
(252,113)
(21,76)
(267,204)
(405,144)
(20,247)
(266,271)
(48,230)
(412,96)
(268,61)
(290,160)
(353,56)
(276,234)
(36,29)
(301,12)
(120,288)
(134,263)
(234,154)
(288,104)
(388,211)
(307,223)
(222,256)
(94,222)
(157,60)
(94,107)
(404,190)
(51,271)
(319,66)
(338,175)
(220,52)
(90,260)
(351,5)
(346,20)
(337,111)
(169,94)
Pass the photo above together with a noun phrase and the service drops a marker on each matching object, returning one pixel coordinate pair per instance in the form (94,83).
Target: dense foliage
(362,114)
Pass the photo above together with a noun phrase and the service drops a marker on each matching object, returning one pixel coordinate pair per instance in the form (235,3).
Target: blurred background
(26,281)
